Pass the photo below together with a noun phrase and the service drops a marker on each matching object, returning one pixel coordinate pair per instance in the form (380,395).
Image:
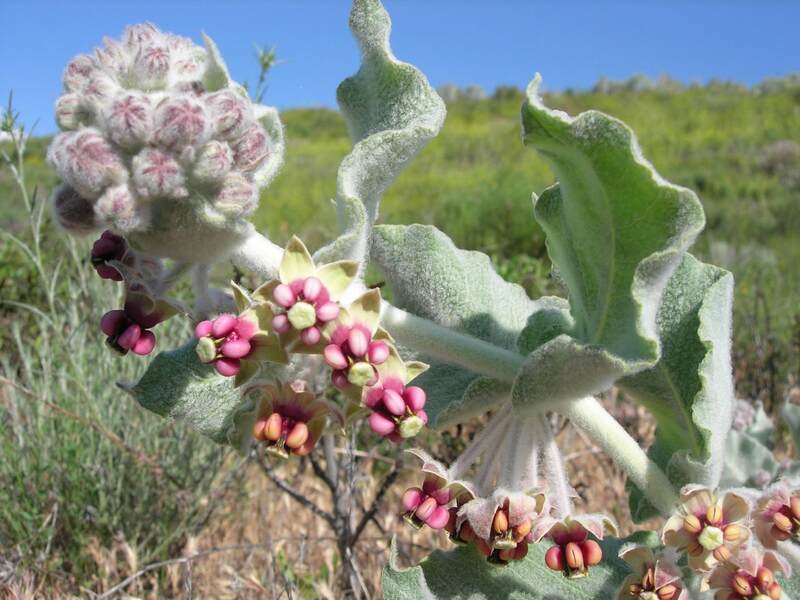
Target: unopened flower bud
(280,323)
(358,341)
(328,311)
(69,112)
(119,209)
(151,66)
(181,122)
(237,196)
(73,212)
(284,295)
(86,161)
(312,287)
(414,397)
(157,175)
(213,163)
(231,114)
(78,72)
(223,325)
(334,357)
(227,367)
(129,120)
(310,336)
(251,149)
(412,498)
(380,424)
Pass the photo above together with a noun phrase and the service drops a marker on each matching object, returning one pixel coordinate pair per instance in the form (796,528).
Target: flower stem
(258,255)
(485,439)
(558,487)
(450,346)
(590,416)
(520,468)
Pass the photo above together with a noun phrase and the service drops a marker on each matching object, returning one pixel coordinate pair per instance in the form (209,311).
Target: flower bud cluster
(305,306)
(354,355)
(777,515)
(397,409)
(129,328)
(653,577)
(749,575)
(573,552)
(225,341)
(146,129)
(427,505)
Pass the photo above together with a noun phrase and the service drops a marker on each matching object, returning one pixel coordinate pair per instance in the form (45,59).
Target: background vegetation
(91,488)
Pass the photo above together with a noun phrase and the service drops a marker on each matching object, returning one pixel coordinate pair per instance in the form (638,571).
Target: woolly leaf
(747,462)
(464,573)
(791,417)
(177,385)
(615,232)
(431,278)
(392,112)
(690,390)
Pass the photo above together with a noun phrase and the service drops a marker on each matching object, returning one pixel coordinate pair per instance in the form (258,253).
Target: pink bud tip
(358,341)
(280,323)
(112,322)
(554,558)
(129,337)
(235,348)
(380,424)
(394,402)
(328,311)
(203,329)
(378,352)
(373,396)
(145,344)
(414,397)
(310,336)
(311,288)
(284,295)
(227,367)
(438,518)
(426,509)
(334,357)
(412,498)
(223,325)
(339,380)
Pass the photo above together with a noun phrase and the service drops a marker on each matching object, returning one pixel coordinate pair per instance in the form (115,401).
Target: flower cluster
(288,419)
(128,329)
(777,516)
(150,123)
(652,577)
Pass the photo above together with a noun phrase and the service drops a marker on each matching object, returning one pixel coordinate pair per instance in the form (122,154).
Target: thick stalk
(520,467)
(590,416)
(487,438)
(258,255)
(558,486)
(450,346)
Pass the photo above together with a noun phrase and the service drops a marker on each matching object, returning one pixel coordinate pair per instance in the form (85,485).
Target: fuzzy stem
(450,346)
(485,439)
(171,277)
(590,416)
(522,460)
(554,473)
(258,255)
(489,465)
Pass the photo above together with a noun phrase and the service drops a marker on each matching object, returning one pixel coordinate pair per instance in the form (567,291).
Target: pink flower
(573,551)
(108,247)
(289,419)
(777,515)
(305,297)
(709,528)
(500,526)
(129,328)
(653,577)
(749,574)
(235,344)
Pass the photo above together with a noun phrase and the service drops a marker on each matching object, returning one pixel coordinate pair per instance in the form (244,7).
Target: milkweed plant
(166,155)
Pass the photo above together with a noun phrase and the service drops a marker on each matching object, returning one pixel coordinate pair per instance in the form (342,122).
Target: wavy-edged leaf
(392,112)
(463,573)
(690,389)
(431,278)
(177,385)
(615,233)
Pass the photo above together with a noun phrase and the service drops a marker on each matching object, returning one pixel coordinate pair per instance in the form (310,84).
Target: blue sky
(486,42)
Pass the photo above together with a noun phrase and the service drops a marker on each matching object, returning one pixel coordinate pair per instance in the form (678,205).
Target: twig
(320,472)
(373,509)
(297,496)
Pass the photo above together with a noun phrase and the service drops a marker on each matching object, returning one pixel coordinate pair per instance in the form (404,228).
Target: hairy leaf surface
(690,390)
(392,112)
(615,232)
(463,573)
(177,385)
(431,278)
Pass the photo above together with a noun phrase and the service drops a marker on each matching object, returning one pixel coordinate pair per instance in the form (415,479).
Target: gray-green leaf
(177,385)
(392,112)
(431,278)
(615,232)
(690,390)
(463,573)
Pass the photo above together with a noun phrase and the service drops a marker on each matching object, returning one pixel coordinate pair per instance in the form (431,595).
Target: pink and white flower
(652,578)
